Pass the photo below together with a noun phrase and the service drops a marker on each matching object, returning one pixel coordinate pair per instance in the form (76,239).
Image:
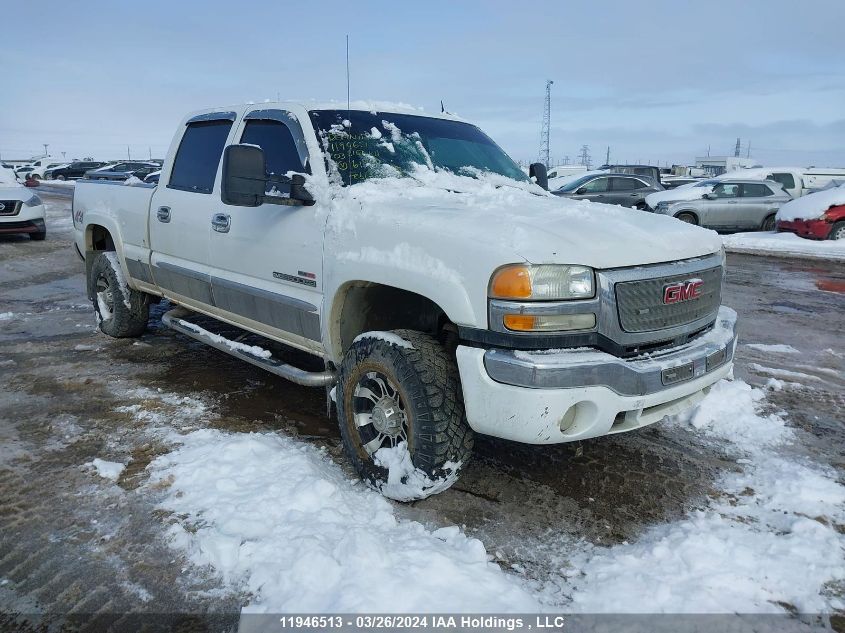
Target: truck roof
(359,105)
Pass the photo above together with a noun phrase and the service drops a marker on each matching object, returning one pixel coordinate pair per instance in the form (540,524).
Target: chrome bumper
(639,376)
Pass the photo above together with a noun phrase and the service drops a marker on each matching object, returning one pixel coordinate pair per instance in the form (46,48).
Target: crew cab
(440,290)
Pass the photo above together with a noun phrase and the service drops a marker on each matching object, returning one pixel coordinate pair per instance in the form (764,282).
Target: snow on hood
(812,205)
(7,177)
(690,191)
(14,192)
(517,218)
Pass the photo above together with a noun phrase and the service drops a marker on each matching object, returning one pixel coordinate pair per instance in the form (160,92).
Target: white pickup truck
(445,292)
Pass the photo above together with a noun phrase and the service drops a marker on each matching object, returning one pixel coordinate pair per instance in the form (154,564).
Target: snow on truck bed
(280,519)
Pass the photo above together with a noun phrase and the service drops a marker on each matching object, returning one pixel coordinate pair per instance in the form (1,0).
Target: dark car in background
(635,170)
(76,169)
(122,171)
(611,188)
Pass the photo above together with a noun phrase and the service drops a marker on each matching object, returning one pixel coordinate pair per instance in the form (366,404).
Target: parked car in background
(21,210)
(122,171)
(817,216)
(732,205)
(691,191)
(796,181)
(635,170)
(153,177)
(562,174)
(611,188)
(673,182)
(75,169)
(22,172)
(39,172)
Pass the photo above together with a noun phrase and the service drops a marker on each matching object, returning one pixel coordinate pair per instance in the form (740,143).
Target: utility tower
(737,149)
(585,156)
(544,129)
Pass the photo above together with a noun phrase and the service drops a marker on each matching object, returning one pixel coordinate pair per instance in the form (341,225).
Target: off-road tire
(428,382)
(689,218)
(769,224)
(123,321)
(38,237)
(837,232)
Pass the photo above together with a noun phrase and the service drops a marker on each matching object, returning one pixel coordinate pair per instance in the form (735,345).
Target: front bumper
(817,229)
(566,395)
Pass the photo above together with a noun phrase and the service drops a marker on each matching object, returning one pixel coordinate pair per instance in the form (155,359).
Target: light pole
(46,145)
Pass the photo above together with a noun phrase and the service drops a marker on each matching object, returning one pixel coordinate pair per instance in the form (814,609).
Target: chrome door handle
(221,222)
(163,214)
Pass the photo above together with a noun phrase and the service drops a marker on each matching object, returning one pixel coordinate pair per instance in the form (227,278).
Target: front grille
(10,207)
(641,307)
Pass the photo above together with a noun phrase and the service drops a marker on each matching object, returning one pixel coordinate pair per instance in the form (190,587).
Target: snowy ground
(158,475)
(784,245)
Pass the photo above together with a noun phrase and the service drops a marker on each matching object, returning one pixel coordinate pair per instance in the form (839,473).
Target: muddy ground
(72,542)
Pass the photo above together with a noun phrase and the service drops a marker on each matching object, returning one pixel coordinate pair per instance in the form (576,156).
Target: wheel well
(363,307)
(98,238)
(692,213)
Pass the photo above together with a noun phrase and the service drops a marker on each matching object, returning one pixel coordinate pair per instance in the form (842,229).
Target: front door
(181,212)
(721,211)
(596,190)
(267,260)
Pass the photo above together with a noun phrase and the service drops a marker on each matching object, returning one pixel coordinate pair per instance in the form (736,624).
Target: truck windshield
(367,145)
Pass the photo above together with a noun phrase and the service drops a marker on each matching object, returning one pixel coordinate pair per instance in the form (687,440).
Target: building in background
(716,165)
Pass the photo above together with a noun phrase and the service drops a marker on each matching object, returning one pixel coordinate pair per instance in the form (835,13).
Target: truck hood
(458,216)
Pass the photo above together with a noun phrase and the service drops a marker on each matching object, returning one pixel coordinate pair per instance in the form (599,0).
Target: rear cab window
(198,156)
(787,180)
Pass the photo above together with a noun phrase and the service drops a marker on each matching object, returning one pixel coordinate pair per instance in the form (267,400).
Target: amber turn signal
(519,322)
(512,282)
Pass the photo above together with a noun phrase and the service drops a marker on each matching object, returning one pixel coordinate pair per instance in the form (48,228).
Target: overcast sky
(656,81)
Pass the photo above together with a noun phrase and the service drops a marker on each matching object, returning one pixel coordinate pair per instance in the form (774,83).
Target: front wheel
(60,177)
(837,232)
(121,311)
(38,236)
(769,223)
(401,414)
(689,218)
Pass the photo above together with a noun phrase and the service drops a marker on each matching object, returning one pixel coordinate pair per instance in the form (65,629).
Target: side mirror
(244,179)
(709,196)
(298,190)
(537,171)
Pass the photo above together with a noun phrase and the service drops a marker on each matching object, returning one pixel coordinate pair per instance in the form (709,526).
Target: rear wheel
(121,311)
(837,232)
(402,392)
(769,223)
(60,177)
(39,236)
(689,218)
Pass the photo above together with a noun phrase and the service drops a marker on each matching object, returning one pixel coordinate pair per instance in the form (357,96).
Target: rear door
(267,261)
(756,203)
(629,192)
(181,211)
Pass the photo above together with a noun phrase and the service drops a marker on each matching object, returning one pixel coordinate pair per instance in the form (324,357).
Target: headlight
(545,282)
(34,201)
(661,206)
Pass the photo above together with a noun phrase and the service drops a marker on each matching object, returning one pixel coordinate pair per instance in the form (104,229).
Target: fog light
(549,323)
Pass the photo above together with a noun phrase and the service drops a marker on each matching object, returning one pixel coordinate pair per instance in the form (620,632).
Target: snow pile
(388,337)
(691,191)
(783,244)
(107,470)
(121,280)
(7,316)
(767,542)
(812,206)
(773,349)
(133,181)
(284,520)
(405,482)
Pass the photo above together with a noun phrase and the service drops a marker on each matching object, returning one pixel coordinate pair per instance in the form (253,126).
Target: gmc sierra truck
(444,292)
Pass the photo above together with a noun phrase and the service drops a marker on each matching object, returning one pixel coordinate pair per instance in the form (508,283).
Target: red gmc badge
(682,291)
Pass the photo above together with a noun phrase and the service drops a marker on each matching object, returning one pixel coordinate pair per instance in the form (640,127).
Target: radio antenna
(348,111)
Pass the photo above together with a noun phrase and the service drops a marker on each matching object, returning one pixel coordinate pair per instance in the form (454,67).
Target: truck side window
(280,154)
(786,180)
(198,156)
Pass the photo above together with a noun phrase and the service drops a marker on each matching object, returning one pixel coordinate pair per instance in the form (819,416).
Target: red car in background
(817,216)
(831,225)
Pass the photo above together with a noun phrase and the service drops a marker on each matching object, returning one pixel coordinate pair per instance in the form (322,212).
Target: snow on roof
(812,205)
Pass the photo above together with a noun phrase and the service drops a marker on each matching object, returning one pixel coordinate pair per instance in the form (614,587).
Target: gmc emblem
(682,291)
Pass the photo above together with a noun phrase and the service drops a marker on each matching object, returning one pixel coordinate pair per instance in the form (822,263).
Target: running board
(174,320)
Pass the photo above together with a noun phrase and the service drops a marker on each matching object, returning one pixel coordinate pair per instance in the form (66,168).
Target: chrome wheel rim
(379,412)
(839,234)
(105,298)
